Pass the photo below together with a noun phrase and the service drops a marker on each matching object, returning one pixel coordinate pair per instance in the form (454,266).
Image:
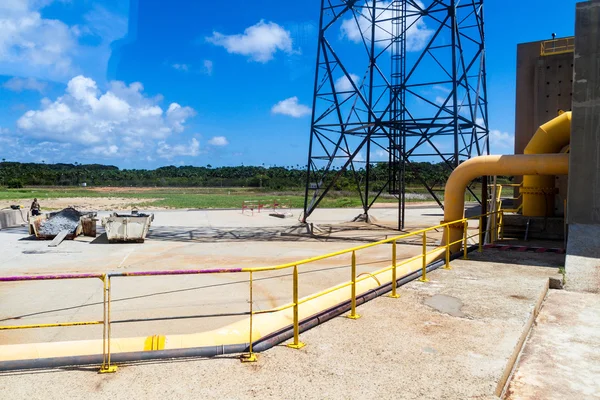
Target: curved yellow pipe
(538,191)
(526,164)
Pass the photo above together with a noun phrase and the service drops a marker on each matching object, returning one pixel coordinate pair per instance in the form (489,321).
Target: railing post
(297,344)
(353,314)
(501,224)
(250,357)
(394,295)
(465,248)
(447,229)
(106,367)
(481,236)
(423,277)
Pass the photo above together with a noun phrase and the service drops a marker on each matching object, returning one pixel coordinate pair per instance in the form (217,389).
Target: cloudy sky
(196,83)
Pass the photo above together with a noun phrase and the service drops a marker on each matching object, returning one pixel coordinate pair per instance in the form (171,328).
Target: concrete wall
(12,218)
(544,85)
(584,173)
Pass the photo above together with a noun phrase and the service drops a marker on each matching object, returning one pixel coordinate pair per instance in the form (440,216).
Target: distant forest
(14,175)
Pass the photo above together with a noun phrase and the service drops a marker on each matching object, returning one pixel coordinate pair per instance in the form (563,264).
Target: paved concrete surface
(561,358)
(183,240)
(583,258)
(400,348)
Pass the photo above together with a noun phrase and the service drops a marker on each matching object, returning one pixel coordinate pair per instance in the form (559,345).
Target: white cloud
(86,116)
(380,155)
(208,67)
(218,141)
(19,84)
(260,42)
(501,141)
(167,151)
(417,34)
(342,84)
(359,158)
(33,46)
(104,151)
(181,67)
(291,107)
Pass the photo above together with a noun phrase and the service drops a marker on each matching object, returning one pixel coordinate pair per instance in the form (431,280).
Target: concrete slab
(561,359)
(400,348)
(583,258)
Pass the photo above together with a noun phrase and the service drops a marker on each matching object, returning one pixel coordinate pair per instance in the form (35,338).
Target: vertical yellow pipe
(538,191)
(466,234)
(480,235)
(250,357)
(423,277)
(394,295)
(297,344)
(353,314)
(447,231)
(106,367)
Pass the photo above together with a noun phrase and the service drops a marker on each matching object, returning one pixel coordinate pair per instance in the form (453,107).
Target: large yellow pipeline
(526,164)
(538,191)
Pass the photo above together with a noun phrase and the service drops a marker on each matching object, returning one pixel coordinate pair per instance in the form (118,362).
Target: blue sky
(195,82)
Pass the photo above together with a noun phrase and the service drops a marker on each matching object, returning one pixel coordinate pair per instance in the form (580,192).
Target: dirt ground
(83,203)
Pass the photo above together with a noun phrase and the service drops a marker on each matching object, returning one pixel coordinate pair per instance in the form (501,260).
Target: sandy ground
(414,347)
(82,203)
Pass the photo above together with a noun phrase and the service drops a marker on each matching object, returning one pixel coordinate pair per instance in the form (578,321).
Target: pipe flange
(538,191)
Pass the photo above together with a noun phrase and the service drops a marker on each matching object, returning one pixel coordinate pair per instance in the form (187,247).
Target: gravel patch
(67,219)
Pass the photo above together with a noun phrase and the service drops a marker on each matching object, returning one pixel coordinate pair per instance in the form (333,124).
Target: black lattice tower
(395,82)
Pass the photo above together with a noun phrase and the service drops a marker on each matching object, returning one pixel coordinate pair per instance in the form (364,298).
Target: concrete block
(582,264)
(12,218)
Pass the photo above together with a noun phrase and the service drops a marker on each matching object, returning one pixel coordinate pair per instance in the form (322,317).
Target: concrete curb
(512,361)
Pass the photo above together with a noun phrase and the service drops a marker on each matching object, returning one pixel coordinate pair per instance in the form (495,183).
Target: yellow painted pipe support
(539,190)
(522,164)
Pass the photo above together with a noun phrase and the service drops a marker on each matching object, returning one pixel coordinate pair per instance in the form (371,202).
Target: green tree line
(15,174)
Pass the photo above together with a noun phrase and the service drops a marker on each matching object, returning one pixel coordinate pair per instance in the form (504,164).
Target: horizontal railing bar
(56,325)
(49,277)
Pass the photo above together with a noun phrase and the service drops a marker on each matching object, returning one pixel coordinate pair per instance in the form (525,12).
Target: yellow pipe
(454,196)
(538,191)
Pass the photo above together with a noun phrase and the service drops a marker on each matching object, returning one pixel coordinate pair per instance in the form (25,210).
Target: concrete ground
(561,358)
(186,240)
(446,339)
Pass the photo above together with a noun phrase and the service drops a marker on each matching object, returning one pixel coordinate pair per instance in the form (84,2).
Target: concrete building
(583,251)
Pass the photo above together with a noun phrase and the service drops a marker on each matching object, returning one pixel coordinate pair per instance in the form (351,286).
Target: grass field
(194,197)
(174,197)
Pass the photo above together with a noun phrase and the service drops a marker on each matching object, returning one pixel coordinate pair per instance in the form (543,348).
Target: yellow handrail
(557,46)
(106,321)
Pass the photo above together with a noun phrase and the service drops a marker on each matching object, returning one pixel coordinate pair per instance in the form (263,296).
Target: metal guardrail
(557,46)
(495,231)
(499,197)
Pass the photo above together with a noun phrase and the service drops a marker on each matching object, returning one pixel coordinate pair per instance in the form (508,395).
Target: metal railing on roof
(557,46)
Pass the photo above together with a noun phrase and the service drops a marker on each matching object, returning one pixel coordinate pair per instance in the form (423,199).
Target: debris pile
(67,219)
